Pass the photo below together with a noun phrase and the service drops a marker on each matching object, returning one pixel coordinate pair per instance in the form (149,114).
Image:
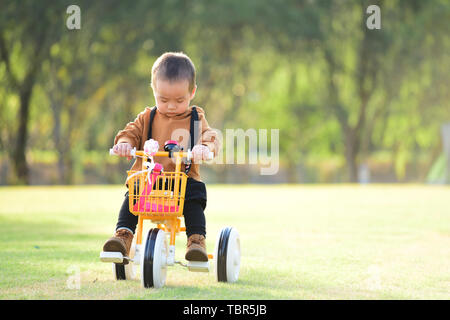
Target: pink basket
(152,207)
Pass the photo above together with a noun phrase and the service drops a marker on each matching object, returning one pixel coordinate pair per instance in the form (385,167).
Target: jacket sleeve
(209,137)
(133,131)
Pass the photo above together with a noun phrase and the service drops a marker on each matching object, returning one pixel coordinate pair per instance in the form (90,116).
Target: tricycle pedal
(115,257)
(198,266)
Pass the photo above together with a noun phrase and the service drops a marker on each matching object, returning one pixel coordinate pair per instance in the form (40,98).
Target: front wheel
(227,255)
(154,259)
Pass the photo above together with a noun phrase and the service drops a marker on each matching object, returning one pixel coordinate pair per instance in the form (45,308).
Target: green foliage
(335,89)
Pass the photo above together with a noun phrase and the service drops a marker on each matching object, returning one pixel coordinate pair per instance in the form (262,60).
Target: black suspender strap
(194,133)
(194,127)
(152,115)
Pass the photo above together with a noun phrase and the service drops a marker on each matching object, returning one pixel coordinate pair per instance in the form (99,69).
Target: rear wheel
(154,258)
(124,271)
(227,255)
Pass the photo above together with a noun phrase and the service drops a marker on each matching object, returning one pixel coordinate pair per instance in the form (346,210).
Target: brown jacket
(168,128)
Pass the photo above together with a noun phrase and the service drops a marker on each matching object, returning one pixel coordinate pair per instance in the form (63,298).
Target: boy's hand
(123,150)
(200,152)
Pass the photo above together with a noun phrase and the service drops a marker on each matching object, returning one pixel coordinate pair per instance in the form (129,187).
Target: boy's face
(172,97)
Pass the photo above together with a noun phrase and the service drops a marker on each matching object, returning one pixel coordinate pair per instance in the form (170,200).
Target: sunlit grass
(298,242)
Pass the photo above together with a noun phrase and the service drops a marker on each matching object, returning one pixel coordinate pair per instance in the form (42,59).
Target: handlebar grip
(132,152)
(210,155)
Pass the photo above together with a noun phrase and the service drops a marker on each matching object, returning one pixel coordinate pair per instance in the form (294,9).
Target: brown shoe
(120,242)
(196,248)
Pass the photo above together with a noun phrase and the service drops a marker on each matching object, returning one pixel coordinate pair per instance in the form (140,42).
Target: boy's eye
(180,101)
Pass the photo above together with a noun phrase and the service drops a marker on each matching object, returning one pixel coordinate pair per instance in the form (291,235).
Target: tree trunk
(351,153)
(68,166)
(55,106)
(291,170)
(19,157)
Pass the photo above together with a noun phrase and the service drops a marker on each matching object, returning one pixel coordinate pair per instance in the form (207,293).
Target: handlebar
(134,153)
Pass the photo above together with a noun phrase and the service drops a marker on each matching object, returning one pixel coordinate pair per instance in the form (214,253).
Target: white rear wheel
(124,271)
(227,255)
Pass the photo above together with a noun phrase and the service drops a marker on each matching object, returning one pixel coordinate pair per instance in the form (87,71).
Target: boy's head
(173,82)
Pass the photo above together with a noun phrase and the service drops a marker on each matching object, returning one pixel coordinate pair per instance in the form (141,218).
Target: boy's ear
(193,92)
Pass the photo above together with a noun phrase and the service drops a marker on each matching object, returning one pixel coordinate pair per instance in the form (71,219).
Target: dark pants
(193,211)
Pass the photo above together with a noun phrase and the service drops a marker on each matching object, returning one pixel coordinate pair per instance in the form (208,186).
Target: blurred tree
(23,48)
(338,92)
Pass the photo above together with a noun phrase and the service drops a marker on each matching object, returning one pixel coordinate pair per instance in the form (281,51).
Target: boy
(173,84)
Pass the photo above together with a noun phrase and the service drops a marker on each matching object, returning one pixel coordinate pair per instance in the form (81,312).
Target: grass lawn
(298,242)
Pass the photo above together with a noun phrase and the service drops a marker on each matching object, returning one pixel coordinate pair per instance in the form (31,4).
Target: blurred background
(351,104)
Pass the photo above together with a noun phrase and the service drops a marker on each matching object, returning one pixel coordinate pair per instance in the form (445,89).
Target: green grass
(298,242)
